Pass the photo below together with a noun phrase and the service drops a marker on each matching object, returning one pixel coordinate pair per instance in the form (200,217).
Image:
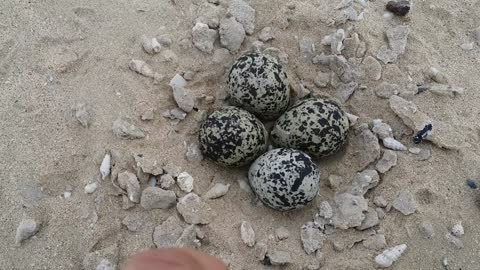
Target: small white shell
(105,166)
(389,256)
(393,144)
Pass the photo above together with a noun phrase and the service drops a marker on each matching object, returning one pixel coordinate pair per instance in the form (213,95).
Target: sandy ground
(55,54)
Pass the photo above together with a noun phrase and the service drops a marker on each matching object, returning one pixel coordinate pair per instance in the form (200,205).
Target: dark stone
(399,8)
(473,184)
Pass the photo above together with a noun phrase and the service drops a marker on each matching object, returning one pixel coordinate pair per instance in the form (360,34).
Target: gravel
(124,129)
(312,238)
(203,37)
(232,34)
(405,203)
(157,198)
(194,210)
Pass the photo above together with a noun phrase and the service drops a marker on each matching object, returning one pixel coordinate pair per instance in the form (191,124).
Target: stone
(147,115)
(172,169)
(325,210)
(244,14)
(282,233)
(103,259)
(133,222)
(129,182)
(426,229)
(276,53)
(353,119)
(423,155)
(467,46)
(203,37)
(232,34)
(260,250)
(193,152)
(405,203)
(258,46)
(157,198)
(375,242)
(380,201)
(349,210)
(188,238)
(336,43)
(148,165)
(307,49)
(399,8)
(351,45)
(322,79)
(266,34)
(443,135)
(372,68)
(342,68)
(221,56)
(194,210)
(166,181)
(90,188)
(371,220)
(167,234)
(322,59)
(184,98)
(386,90)
(124,129)
(217,191)
(312,238)
(365,148)
(397,38)
(335,181)
(151,45)
(247,233)
(454,241)
(445,90)
(457,230)
(381,129)
(388,160)
(386,55)
(364,181)
(185,182)
(164,40)
(381,214)
(345,90)
(26,229)
(279,257)
(82,114)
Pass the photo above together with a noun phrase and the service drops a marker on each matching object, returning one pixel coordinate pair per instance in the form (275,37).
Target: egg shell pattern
(284,179)
(317,126)
(258,84)
(232,137)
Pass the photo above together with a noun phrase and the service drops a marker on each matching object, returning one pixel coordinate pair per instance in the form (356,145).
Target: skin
(173,259)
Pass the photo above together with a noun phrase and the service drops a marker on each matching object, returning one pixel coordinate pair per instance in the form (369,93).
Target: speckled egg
(316,126)
(232,137)
(258,84)
(284,179)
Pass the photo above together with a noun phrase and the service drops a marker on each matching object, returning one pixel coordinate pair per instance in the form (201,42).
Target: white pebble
(467,46)
(185,182)
(151,45)
(67,194)
(457,230)
(389,256)
(393,144)
(247,234)
(105,166)
(90,188)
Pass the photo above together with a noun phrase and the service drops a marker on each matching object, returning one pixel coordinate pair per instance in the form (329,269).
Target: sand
(56,54)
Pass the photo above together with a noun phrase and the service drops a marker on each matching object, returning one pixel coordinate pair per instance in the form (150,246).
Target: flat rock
(232,34)
(244,14)
(217,191)
(133,222)
(312,238)
(364,181)
(26,229)
(194,210)
(375,242)
(397,38)
(203,37)
(388,160)
(82,114)
(381,129)
(279,257)
(260,250)
(372,68)
(129,182)
(167,234)
(364,149)
(345,90)
(188,238)
(405,203)
(157,198)
(148,165)
(184,98)
(349,210)
(124,129)
(371,219)
(386,90)
(247,233)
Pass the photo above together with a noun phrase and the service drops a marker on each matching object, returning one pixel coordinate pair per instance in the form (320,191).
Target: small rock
(350,210)
(312,238)
(380,201)
(279,257)
(365,148)
(217,191)
(193,209)
(129,182)
(471,183)
(364,181)
(381,214)
(193,153)
(382,130)
(336,43)
(445,262)
(142,68)
(260,250)
(247,234)
(322,59)
(414,150)
(157,198)
(185,182)
(335,181)
(281,57)
(147,115)
(322,79)
(386,55)
(454,241)
(149,166)
(266,34)
(258,46)
(397,38)
(175,113)
(82,114)
(437,76)
(386,90)
(126,203)
(152,182)
(151,45)
(232,34)
(445,90)
(375,242)
(372,68)
(165,40)
(282,233)
(188,75)
(166,234)
(188,238)
(221,56)
(124,129)
(133,222)
(203,37)
(353,119)
(405,203)
(371,219)
(166,181)
(90,188)
(399,8)
(169,56)
(345,90)
(467,46)
(26,229)
(388,160)
(67,194)
(325,210)
(244,14)
(307,49)
(184,98)
(457,230)
(393,144)
(104,259)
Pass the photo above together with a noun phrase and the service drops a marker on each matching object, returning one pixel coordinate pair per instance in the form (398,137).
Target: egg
(258,84)
(284,179)
(232,137)
(316,126)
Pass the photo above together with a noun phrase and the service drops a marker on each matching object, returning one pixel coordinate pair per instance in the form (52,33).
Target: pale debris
(26,229)
(247,233)
(144,69)
(90,188)
(312,238)
(446,90)
(183,97)
(105,166)
(129,182)
(124,129)
(151,45)
(405,203)
(457,230)
(217,191)
(185,182)
(393,144)
(389,256)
